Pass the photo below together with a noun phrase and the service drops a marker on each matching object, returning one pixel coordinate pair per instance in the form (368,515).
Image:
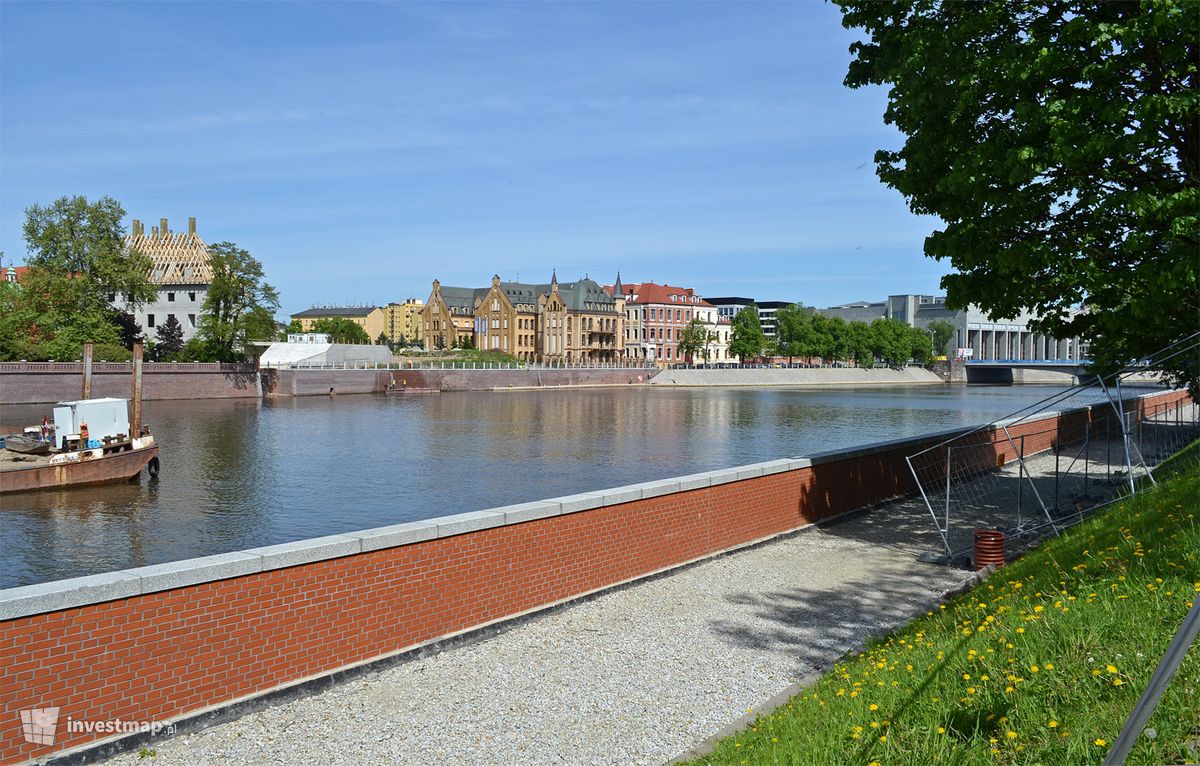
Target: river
(243,473)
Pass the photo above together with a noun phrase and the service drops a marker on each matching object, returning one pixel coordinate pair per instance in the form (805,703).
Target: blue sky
(361,149)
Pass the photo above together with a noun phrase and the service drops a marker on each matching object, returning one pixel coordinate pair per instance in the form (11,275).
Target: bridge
(1010,370)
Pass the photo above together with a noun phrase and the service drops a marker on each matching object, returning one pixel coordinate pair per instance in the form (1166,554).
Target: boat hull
(117,466)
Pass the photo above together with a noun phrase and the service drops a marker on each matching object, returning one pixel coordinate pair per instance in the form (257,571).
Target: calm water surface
(239,474)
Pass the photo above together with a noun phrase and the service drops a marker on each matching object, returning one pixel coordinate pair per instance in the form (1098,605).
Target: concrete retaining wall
(301,382)
(818,376)
(31,387)
(168,641)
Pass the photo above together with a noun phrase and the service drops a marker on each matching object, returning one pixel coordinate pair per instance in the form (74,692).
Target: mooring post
(135,404)
(87,371)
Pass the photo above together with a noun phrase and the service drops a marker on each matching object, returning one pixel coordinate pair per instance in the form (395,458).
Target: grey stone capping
(64,594)
(306,551)
(724,476)
(177,574)
(539,509)
(620,495)
(656,488)
(694,481)
(581,502)
(474,521)
(750,471)
(396,534)
(775,466)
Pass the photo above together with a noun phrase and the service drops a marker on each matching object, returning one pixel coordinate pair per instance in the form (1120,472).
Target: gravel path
(639,675)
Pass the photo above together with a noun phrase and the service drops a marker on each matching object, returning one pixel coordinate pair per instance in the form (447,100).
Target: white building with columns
(987,339)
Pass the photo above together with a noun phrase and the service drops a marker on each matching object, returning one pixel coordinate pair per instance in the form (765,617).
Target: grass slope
(1041,664)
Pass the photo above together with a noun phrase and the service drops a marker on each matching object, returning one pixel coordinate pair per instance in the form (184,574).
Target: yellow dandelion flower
(1111,668)
(1053,724)
(1117,682)
(1011,735)
(872,706)
(1101,742)
(1034,668)
(941,730)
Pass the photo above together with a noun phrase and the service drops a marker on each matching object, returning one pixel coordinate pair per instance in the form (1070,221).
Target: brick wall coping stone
(40,598)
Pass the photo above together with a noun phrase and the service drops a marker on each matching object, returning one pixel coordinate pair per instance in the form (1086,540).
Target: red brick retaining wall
(158,655)
(175,382)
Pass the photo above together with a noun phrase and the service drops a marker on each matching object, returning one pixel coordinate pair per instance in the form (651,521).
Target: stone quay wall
(318,381)
(197,640)
(39,382)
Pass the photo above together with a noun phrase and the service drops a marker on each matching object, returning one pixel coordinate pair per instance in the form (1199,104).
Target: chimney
(137,228)
(162,226)
(154,231)
(191,226)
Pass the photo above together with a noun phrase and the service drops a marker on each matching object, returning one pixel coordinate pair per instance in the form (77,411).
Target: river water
(243,473)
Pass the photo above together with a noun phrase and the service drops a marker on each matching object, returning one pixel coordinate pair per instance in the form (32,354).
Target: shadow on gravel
(817,625)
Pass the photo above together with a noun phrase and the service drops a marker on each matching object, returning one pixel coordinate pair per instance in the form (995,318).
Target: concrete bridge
(1008,371)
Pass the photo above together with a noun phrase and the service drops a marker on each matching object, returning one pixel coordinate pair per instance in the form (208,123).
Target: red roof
(15,272)
(651,293)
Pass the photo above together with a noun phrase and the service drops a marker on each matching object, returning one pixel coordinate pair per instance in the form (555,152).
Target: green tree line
(801,333)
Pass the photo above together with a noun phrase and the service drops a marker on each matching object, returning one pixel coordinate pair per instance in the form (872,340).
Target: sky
(362,149)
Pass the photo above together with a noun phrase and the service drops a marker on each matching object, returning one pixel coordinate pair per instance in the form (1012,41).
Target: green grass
(1040,664)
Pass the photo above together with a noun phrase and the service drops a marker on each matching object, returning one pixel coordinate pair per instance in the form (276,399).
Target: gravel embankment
(638,675)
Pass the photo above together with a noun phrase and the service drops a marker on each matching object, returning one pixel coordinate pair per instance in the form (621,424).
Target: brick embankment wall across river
(196,638)
(39,382)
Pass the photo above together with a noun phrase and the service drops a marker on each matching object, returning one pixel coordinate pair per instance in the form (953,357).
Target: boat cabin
(106,418)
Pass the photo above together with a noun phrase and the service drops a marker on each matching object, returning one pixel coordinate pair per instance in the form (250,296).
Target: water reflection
(241,473)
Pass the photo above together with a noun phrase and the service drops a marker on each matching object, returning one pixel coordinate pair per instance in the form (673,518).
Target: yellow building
(573,322)
(370,318)
(403,322)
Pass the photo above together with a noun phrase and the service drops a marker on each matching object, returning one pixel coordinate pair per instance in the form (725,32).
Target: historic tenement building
(569,322)
(181,271)
(656,317)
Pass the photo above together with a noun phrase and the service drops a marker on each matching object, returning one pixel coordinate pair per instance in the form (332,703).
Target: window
(170,296)
(191,296)
(495,304)
(191,320)
(678,314)
(170,317)
(149,320)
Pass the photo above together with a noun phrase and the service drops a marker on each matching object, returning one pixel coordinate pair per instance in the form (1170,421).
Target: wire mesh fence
(1051,464)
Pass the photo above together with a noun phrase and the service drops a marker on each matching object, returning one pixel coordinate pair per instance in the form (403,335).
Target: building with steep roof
(181,271)
(569,323)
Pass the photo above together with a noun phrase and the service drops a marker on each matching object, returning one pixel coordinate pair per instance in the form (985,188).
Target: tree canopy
(746,338)
(1059,144)
(240,305)
(943,332)
(168,340)
(694,340)
(341,330)
(795,334)
(78,263)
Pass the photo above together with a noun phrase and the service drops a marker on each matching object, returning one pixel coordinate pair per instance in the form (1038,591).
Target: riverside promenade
(638,675)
